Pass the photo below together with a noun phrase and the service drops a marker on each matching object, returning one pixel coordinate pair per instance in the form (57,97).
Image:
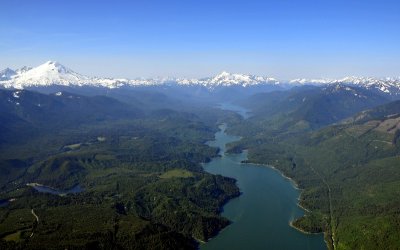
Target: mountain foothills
(348,169)
(139,170)
(96,163)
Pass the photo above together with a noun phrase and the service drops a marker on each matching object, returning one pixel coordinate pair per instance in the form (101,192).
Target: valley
(130,167)
(137,178)
(268,202)
(200,125)
(343,170)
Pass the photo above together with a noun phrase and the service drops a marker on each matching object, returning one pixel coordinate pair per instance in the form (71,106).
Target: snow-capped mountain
(305,81)
(47,74)
(53,73)
(386,85)
(227,79)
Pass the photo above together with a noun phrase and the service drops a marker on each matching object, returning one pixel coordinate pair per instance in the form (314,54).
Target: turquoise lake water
(261,215)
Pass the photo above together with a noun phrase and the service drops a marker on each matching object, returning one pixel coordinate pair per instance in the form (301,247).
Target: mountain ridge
(53,73)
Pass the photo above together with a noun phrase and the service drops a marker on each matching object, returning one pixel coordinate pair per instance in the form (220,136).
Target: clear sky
(197,38)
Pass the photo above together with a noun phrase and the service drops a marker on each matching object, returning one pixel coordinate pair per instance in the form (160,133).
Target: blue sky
(281,38)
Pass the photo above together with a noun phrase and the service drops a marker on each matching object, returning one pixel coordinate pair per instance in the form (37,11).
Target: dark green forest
(139,168)
(136,158)
(349,171)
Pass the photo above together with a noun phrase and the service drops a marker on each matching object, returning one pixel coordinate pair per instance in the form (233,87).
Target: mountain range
(53,73)
(135,147)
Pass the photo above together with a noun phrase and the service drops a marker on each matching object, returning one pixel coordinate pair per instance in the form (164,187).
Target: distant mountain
(52,74)
(389,86)
(228,79)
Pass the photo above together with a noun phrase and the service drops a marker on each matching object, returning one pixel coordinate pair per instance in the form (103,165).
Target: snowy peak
(49,69)
(228,79)
(225,78)
(55,66)
(305,81)
(6,74)
(49,72)
(54,73)
(387,85)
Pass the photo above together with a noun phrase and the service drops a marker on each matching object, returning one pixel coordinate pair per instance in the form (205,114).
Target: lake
(245,113)
(45,189)
(261,215)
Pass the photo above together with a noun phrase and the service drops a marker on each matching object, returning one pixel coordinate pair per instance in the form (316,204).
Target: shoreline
(302,230)
(223,127)
(292,181)
(294,184)
(52,190)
